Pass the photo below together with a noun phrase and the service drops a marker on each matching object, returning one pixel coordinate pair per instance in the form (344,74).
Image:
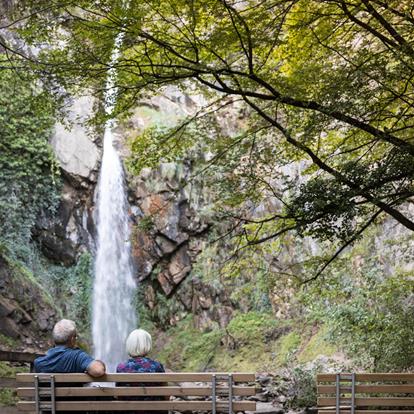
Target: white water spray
(113,314)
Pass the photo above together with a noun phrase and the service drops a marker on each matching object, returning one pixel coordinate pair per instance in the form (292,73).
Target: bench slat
(369,377)
(123,391)
(139,405)
(147,377)
(370,401)
(364,388)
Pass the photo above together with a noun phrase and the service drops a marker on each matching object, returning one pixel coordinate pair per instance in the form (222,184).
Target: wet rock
(150,297)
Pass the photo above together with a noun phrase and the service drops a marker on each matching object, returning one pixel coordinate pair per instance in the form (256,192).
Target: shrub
(301,387)
(251,326)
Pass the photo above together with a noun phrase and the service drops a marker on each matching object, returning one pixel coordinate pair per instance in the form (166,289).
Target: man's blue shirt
(63,359)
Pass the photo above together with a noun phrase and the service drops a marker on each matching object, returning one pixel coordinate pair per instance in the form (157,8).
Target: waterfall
(113,314)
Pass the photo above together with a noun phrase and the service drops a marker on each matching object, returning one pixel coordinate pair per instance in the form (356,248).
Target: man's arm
(96,368)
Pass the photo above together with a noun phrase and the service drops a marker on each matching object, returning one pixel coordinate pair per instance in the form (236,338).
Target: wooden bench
(218,392)
(370,393)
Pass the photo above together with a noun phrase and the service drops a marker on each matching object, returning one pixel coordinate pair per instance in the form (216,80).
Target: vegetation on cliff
(29,174)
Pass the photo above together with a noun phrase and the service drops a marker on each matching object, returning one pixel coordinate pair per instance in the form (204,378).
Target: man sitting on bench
(65,357)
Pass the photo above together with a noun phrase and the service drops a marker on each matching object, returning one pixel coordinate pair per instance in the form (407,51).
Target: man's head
(64,333)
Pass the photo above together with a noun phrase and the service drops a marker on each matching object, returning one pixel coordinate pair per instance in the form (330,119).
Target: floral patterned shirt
(140,364)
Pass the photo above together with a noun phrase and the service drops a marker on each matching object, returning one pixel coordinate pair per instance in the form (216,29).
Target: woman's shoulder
(153,364)
(125,366)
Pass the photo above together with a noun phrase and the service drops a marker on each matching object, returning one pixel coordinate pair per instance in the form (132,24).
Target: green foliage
(29,178)
(7,342)
(79,284)
(23,272)
(367,307)
(251,326)
(7,395)
(166,308)
(72,288)
(8,370)
(318,344)
(188,348)
(378,319)
(157,144)
(323,143)
(146,223)
(247,277)
(286,347)
(302,387)
(69,289)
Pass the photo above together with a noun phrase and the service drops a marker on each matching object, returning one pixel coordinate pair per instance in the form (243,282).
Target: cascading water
(113,314)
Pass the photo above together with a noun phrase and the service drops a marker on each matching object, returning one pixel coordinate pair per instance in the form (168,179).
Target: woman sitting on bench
(138,346)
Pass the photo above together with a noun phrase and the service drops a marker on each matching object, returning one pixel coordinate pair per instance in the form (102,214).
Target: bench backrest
(365,393)
(216,392)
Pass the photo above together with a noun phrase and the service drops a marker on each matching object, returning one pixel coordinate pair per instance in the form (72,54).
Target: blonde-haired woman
(138,346)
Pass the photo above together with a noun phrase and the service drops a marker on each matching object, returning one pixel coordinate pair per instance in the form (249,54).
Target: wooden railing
(10,383)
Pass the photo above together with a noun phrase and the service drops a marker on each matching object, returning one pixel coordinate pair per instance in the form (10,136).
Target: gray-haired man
(65,357)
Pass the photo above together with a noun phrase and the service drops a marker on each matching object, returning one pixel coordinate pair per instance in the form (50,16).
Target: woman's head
(138,343)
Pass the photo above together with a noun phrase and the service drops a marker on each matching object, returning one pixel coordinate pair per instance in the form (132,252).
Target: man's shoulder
(77,353)
(63,352)
(63,359)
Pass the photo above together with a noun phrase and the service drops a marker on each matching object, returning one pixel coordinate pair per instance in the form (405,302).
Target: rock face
(70,231)
(170,229)
(169,232)
(63,236)
(77,153)
(27,314)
